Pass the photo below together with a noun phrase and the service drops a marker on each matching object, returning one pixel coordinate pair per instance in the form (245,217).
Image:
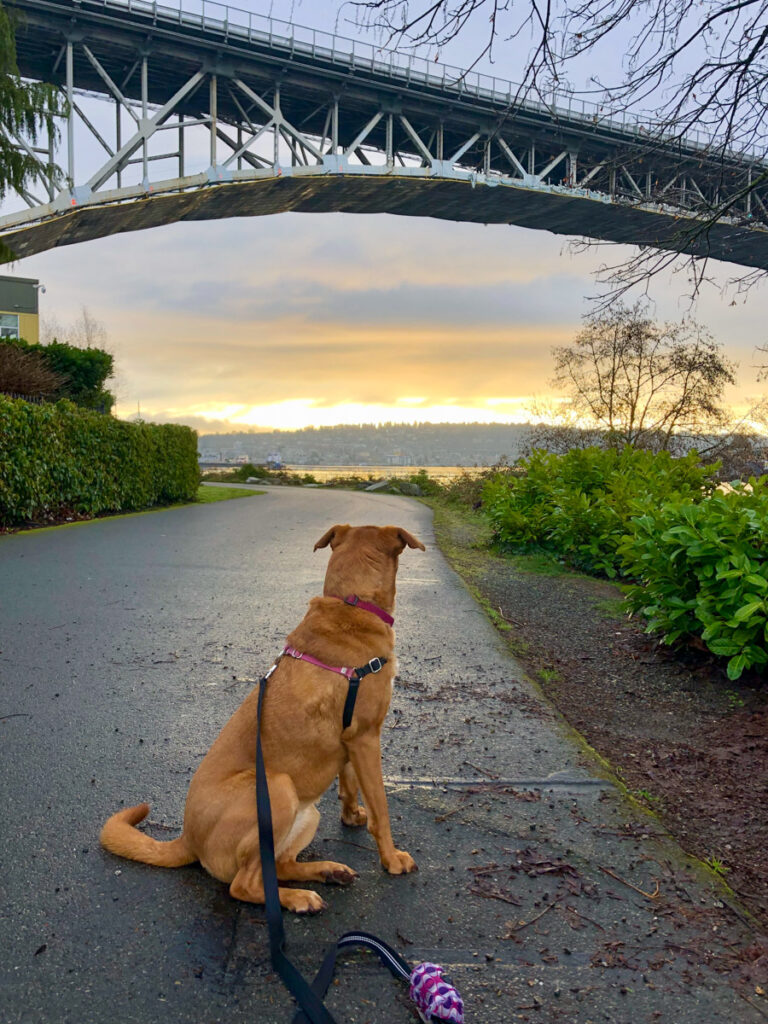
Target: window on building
(9,325)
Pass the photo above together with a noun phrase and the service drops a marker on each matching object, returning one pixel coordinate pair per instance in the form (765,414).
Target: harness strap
(354,675)
(374,665)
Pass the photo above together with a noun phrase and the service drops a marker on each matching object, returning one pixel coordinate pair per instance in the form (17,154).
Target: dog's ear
(332,537)
(409,540)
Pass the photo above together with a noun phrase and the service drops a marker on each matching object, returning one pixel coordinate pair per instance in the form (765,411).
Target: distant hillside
(424,444)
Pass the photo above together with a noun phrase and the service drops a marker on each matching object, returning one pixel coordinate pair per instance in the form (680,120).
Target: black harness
(373,666)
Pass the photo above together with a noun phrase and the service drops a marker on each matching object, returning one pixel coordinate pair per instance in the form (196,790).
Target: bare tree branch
(643,383)
(687,66)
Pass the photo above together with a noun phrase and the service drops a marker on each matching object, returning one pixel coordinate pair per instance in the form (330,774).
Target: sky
(295,320)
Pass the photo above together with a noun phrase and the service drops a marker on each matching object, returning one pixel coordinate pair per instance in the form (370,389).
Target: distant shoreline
(322,473)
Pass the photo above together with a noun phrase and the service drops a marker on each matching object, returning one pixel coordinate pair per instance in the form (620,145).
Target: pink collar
(367,606)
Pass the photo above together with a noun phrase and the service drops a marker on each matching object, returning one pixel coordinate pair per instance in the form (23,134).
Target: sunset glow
(299,413)
(319,319)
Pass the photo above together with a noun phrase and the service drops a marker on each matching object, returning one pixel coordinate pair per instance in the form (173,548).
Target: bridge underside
(174,115)
(561,212)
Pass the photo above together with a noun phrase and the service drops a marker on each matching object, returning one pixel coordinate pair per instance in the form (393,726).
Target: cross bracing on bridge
(208,111)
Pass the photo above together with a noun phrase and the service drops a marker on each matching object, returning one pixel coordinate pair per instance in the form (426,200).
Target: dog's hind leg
(248,883)
(301,835)
(352,812)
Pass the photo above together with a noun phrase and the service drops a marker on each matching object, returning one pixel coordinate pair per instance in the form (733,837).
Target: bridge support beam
(264,108)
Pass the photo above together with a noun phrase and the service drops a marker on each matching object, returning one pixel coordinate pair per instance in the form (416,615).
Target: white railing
(233,23)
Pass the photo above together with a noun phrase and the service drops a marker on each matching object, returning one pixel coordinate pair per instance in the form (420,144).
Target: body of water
(442,473)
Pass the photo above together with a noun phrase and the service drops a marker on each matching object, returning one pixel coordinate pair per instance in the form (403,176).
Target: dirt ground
(686,741)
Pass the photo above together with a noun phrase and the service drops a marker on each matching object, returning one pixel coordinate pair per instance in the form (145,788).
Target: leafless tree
(689,66)
(84,332)
(26,375)
(642,383)
(558,427)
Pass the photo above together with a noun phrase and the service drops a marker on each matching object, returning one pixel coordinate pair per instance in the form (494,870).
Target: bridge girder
(294,126)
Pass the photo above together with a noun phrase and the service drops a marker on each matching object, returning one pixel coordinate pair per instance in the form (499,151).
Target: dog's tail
(121,837)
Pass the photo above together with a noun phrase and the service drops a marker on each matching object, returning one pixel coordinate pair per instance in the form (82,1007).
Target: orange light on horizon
(296,414)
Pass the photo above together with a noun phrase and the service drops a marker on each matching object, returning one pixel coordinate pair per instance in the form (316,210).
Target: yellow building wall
(29,325)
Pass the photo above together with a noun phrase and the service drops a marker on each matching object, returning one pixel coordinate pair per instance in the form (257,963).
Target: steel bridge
(207,111)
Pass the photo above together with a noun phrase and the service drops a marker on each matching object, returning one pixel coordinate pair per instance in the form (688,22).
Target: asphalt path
(126,643)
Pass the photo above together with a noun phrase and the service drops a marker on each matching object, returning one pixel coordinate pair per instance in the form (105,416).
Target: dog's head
(364,561)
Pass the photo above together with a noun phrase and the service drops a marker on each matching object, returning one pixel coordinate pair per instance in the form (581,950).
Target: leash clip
(277,662)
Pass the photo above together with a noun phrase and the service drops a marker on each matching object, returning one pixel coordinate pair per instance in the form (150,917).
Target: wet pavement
(126,643)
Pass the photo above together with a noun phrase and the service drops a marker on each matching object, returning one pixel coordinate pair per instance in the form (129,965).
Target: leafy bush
(239,475)
(425,483)
(702,570)
(467,488)
(578,506)
(83,372)
(57,457)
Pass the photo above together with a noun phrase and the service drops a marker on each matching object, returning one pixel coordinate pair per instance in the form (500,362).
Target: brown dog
(305,744)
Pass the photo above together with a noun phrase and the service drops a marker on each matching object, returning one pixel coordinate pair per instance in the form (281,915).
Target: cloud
(342,311)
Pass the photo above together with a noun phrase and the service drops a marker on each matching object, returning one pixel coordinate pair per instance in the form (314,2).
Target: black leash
(310,997)
(292,978)
(388,956)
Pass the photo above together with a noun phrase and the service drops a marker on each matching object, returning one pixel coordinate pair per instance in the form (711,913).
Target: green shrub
(425,483)
(702,570)
(467,488)
(82,372)
(242,473)
(578,506)
(61,457)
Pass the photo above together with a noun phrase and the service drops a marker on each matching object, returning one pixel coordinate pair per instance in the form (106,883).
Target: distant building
(19,313)
(399,458)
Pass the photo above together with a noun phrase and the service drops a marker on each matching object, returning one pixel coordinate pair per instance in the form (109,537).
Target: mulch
(686,741)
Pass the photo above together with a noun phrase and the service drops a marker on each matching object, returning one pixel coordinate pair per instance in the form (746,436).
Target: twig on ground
(753,1005)
(442,817)
(348,842)
(494,894)
(491,775)
(519,927)
(508,618)
(573,910)
(648,895)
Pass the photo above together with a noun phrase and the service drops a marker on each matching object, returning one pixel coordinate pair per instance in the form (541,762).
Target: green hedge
(578,506)
(702,570)
(60,457)
(697,557)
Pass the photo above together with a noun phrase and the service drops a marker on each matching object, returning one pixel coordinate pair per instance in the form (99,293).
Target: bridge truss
(207,111)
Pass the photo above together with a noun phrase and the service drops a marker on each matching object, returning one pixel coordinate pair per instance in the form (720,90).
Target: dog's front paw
(339,873)
(355,817)
(302,901)
(400,863)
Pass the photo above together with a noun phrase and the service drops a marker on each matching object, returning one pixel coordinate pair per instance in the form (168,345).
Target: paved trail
(126,644)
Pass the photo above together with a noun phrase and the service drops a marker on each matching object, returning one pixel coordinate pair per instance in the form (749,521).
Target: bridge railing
(238,25)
